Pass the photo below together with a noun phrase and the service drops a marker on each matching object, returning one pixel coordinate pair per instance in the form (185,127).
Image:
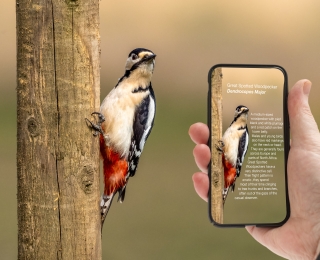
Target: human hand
(299,237)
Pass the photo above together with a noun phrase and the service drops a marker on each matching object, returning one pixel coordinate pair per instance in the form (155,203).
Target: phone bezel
(286,141)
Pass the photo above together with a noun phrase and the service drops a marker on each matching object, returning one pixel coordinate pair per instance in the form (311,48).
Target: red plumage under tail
(230,175)
(115,171)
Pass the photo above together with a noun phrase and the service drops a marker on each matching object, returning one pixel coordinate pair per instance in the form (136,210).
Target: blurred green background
(162,217)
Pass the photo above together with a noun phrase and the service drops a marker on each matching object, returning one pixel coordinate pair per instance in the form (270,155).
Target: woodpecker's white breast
(231,140)
(119,108)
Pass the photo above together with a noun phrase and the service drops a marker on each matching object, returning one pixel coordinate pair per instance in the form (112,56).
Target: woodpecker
(234,145)
(125,121)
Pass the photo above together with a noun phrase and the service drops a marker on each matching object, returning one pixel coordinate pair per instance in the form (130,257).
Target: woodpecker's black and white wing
(242,150)
(142,125)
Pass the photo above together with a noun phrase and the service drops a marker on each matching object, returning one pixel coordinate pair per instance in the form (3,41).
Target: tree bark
(217,173)
(58,85)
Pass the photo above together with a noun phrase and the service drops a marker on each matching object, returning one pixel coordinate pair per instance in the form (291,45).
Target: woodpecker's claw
(100,116)
(220,146)
(97,127)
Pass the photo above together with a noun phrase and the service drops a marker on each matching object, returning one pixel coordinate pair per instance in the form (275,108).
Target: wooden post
(58,85)
(217,172)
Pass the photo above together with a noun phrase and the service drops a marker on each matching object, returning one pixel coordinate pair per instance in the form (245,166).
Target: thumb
(304,129)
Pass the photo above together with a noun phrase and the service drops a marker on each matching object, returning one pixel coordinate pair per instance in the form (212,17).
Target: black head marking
(239,111)
(239,108)
(134,61)
(138,50)
(134,55)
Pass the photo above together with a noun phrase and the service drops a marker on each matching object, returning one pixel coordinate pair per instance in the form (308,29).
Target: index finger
(199,133)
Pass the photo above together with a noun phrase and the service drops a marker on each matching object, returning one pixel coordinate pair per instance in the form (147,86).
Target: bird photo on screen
(234,146)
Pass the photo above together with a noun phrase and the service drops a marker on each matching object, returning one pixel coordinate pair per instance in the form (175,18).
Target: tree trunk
(58,85)
(217,173)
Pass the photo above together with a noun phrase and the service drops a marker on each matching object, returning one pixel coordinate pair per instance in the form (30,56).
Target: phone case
(249,142)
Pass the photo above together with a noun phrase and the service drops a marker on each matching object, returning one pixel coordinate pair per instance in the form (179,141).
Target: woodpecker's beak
(245,111)
(151,57)
(143,60)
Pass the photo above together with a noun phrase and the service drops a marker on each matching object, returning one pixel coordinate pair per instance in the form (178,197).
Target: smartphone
(249,142)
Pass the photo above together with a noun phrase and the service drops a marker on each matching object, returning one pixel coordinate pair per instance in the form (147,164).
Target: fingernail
(306,87)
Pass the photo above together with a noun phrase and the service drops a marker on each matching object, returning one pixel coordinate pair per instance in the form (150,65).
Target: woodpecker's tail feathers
(226,190)
(225,194)
(105,205)
(233,185)
(122,193)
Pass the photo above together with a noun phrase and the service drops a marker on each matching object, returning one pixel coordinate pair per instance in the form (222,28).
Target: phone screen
(249,144)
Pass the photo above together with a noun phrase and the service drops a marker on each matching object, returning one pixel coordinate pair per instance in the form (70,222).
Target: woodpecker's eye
(134,56)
